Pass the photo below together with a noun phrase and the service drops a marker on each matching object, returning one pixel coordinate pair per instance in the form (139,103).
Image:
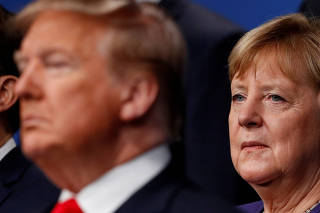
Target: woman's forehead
(277,60)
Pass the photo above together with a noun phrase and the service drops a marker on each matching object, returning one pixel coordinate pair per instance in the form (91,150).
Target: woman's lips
(252,145)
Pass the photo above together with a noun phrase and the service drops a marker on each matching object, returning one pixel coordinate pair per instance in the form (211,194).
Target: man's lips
(253,145)
(31,120)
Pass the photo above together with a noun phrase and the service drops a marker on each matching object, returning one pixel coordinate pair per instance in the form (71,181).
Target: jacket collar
(12,167)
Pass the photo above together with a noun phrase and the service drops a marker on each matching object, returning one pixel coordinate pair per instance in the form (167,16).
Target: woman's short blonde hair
(295,41)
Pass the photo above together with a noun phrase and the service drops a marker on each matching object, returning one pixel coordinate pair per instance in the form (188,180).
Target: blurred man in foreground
(23,188)
(100,102)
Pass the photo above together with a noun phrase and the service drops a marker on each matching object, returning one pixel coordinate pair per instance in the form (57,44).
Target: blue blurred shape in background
(246,13)
(14,5)
(251,13)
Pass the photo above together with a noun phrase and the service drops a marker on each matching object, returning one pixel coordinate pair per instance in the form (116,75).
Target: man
(210,38)
(23,188)
(100,101)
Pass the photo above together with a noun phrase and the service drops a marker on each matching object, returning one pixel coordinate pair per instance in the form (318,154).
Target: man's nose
(29,83)
(250,115)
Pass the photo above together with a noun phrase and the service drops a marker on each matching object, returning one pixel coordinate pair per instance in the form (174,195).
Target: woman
(274,119)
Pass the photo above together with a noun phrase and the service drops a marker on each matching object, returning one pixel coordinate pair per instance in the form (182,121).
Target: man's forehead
(61,28)
(64,17)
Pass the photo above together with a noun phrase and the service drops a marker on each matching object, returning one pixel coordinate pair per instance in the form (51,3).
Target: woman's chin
(257,179)
(259,176)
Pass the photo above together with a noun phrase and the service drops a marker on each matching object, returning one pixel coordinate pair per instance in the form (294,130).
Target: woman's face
(274,124)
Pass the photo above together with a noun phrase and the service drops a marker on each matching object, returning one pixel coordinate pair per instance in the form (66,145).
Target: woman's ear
(138,96)
(7,92)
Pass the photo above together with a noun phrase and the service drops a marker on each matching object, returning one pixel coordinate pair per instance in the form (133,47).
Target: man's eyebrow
(19,56)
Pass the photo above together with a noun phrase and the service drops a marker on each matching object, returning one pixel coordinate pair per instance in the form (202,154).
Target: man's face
(69,98)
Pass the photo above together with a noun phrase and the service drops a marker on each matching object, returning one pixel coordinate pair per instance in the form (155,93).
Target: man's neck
(75,170)
(122,181)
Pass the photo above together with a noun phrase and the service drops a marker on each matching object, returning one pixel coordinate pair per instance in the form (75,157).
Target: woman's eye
(276,98)
(238,98)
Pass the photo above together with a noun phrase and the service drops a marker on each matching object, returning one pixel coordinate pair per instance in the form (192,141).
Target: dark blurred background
(246,13)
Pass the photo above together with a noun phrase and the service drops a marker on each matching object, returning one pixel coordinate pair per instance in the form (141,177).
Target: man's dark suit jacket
(23,188)
(170,192)
(210,39)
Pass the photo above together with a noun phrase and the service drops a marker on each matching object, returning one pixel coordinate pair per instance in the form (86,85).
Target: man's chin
(34,147)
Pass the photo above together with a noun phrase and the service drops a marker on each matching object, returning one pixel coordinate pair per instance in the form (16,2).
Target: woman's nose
(249,115)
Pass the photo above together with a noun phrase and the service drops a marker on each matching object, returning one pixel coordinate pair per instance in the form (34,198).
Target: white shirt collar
(111,190)
(6,148)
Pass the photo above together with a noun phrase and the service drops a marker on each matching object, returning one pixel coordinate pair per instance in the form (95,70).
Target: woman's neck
(289,195)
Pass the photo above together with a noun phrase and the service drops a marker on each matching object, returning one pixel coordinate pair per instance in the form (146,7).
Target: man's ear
(138,96)
(7,93)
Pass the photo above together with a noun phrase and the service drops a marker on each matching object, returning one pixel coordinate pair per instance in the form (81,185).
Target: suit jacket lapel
(12,168)
(158,194)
